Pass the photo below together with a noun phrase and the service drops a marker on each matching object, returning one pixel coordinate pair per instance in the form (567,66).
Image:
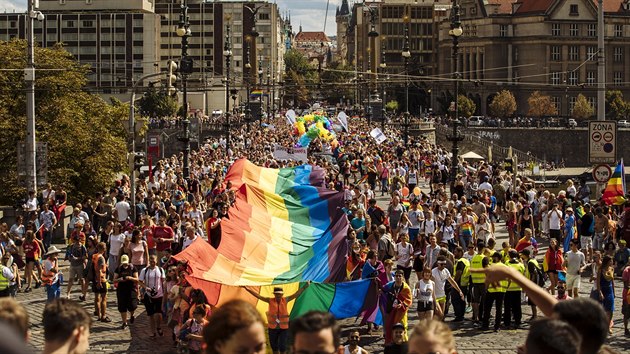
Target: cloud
(13,5)
(311,13)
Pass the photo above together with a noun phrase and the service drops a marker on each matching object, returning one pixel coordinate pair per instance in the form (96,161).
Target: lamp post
(227,53)
(185,68)
(29,75)
(455,32)
(248,67)
(260,81)
(383,66)
(371,35)
(268,91)
(406,54)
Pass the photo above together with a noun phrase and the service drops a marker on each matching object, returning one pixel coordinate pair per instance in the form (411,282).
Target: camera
(152,292)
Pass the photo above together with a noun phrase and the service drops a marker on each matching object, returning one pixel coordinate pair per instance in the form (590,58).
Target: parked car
(623,124)
(571,123)
(475,121)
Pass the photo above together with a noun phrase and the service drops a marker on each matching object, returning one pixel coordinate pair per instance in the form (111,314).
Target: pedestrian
(100,286)
(315,332)
(7,277)
(353,344)
(432,337)
(399,299)
(478,286)
(548,335)
(278,316)
(139,250)
(191,330)
(404,256)
(606,287)
(152,282)
(425,293)
(574,262)
(126,280)
(66,327)
(625,306)
(77,255)
(440,275)
(115,242)
(51,277)
(47,219)
(236,327)
(462,278)
(553,263)
(496,296)
(513,293)
(32,254)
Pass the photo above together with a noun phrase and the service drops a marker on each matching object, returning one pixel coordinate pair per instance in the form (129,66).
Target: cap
(278,290)
(124,259)
(622,242)
(399,326)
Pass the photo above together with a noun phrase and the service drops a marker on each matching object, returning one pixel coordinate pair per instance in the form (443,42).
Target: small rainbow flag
(615,191)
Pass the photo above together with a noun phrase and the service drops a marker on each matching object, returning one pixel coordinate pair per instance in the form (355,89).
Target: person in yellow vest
(513,293)
(495,295)
(6,277)
(278,316)
(462,277)
(51,277)
(531,273)
(478,280)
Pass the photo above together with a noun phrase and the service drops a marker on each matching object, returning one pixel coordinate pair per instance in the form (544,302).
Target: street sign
(602,147)
(602,173)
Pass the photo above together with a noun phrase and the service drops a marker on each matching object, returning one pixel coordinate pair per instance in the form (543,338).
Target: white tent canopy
(471,155)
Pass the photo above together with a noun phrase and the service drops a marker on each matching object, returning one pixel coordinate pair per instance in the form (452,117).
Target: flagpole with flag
(615,191)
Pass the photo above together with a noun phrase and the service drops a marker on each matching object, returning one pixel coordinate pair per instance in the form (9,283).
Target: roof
(505,6)
(345,9)
(541,6)
(312,37)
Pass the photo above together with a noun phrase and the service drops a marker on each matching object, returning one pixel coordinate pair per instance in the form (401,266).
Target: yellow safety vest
(477,278)
(521,269)
(4,282)
(465,278)
(527,274)
(503,284)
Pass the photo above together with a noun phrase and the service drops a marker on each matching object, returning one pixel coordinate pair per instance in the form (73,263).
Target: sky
(309,13)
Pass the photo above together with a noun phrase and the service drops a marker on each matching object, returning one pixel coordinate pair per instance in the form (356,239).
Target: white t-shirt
(440,278)
(48,265)
(115,242)
(554,219)
(359,350)
(575,260)
(405,253)
(425,290)
(448,232)
(123,209)
(153,278)
(188,241)
(428,226)
(415,217)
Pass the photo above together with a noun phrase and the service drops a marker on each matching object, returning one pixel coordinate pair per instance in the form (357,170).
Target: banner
(343,120)
(290,115)
(378,135)
(295,154)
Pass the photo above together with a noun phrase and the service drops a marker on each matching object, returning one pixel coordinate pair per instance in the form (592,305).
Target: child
(190,333)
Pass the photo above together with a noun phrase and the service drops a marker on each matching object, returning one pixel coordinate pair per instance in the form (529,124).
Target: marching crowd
(445,236)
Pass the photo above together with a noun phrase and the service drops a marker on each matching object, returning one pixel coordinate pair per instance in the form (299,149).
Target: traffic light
(171,77)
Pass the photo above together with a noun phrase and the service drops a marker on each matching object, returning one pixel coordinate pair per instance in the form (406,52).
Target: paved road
(109,338)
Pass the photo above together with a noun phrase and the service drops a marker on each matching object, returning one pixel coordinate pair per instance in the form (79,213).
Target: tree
(299,75)
(157,104)
(503,104)
(392,106)
(582,109)
(616,106)
(541,105)
(335,79)
(465,106)
(86,137)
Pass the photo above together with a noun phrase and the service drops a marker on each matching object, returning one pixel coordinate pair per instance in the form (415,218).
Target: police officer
(495,295)
(513,293)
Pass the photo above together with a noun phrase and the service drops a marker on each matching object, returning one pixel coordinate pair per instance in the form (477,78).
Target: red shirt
(31,249)
(165,232)
(147,232)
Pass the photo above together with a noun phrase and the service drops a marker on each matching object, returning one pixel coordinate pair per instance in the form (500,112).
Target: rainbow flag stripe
(284,227)
(615,191)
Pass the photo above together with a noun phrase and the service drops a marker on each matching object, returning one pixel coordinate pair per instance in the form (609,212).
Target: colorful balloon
(405,192)
(417,191)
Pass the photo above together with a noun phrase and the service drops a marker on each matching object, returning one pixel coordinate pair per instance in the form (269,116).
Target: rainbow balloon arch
(313,126)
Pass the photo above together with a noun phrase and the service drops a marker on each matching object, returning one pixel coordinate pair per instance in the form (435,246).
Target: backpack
(541,277)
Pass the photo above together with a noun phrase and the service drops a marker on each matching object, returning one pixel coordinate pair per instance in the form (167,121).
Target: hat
(52,250)
(569,209)
(399,326)
(124,259)
(278,290)
(622,242)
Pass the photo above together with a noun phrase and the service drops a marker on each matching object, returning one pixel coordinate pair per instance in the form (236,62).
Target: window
(473,31)
(574,53)
(69,37)
(555,78)
(556,102)
(70,24)
(592,30)
(617,77)
(591,77)
(87,37)
(13,24)
(263,16)
(555,53)
(573,10)
(473,10)
(574,30)
(572,100)
(618,55)
(593,102)
(618,31)
(88,23)
(555,29)
(573,77)
(591,53)
(87,50)
(503,30)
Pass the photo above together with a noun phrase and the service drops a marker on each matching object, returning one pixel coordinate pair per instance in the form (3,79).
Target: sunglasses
(354,337)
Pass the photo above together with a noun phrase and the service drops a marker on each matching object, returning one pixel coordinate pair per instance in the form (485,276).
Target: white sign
(602,173)
(602,147)
(343,119)
(295,154)
(378,135)
(290,115)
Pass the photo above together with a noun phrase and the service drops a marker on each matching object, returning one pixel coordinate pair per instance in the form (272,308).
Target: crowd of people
(123,244)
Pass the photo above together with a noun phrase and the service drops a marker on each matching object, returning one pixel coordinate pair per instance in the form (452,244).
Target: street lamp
(371,35)
(383,66)
(455,32)
(227,53)
(248,67)
(185,68)
(406,54)
(268,91)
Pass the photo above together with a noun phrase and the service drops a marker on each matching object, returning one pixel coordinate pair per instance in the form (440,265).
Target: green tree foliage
(465,106)
(392,106)
(300,74)
(335,82)
(503,104)
(86,136)
(541,105)
(157,104)
(582,108)
(616,106)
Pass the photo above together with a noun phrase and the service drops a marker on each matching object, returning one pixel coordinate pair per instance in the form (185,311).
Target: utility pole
(601,63)
(29,75)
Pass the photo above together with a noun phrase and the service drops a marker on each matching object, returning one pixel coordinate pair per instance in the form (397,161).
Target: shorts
(424,306)
(573,281)
(30,260)
(76,272)
(625,310)
(477,290)
(99,290)
(586,242)
(127,302)
(153,305)
(441,299)
(553,233)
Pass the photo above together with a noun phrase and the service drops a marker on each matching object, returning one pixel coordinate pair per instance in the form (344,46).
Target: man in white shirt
(152,280)
(574,260)
(191,236)
(31,202)
(122,209)
(353,344)
(554,218)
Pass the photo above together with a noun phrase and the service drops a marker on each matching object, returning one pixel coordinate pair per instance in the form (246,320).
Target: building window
(593,102)
(592,30)
(13,24)
(572,100)
(574,53)
(555,78)
(473,10)
(618,30)
(573,10)
(573,77)
(618,55)
(556,102)
(591,53)
(555,53)
(574,30)
(555,29)
(473,31)
(617,77)
(503,29)
(263,16)
(70,24)
(88,23)
(591,77)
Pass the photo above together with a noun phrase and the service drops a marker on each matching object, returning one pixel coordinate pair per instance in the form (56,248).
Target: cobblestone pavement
(110,338)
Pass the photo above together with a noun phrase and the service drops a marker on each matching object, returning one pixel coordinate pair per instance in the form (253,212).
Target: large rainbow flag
(616,187)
